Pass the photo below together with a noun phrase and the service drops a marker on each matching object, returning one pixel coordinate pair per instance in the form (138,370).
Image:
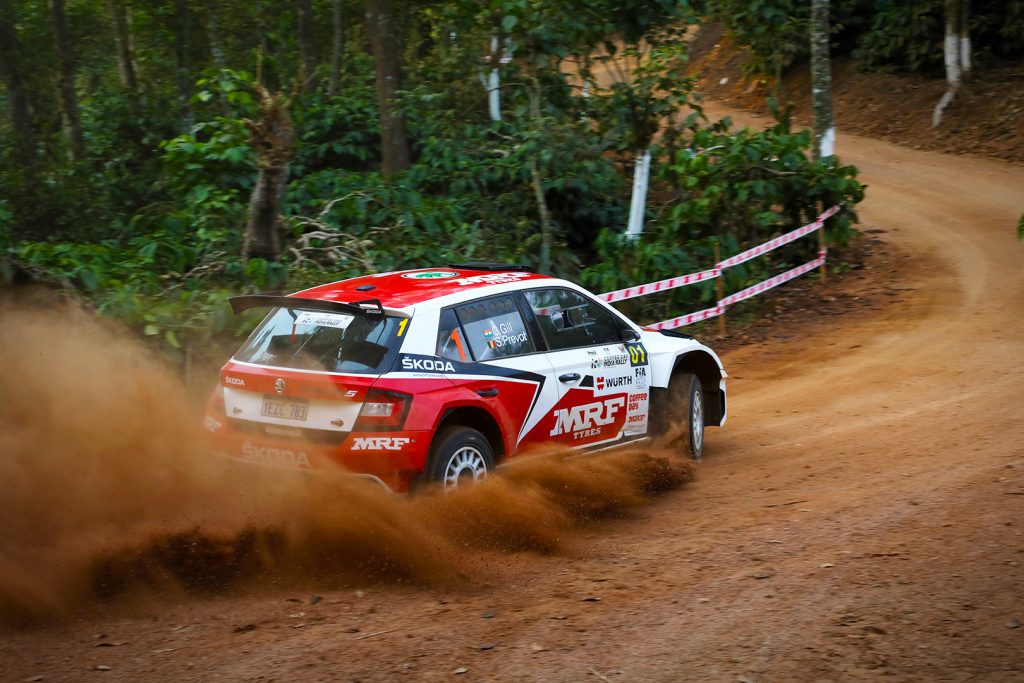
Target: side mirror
(629,334)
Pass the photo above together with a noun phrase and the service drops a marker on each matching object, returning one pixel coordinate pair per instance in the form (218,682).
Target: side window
(450,343)
(570,320)
(494,328)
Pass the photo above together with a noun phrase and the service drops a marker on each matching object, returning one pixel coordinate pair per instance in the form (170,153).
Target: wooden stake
(720,289)
(821,248)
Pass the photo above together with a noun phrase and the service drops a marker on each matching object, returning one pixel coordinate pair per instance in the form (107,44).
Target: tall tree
(14,82)
(213,34)
(307,43)
(387,60)
(273,138)
(122,38)
(181,64)
(337,45)
(66,61)
(957,52)
(821,81)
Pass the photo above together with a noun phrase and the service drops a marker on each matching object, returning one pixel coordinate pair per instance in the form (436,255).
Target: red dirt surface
(859,517)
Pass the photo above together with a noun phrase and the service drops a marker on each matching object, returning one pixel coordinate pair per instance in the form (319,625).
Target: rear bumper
(392,459)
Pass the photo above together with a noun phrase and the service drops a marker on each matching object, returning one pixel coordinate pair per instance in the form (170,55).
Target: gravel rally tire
(682,415)
(460,455)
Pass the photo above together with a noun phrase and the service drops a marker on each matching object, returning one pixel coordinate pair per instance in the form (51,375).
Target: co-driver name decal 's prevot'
(742,257)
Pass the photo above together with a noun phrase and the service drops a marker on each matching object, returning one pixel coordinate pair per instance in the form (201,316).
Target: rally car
(442,374)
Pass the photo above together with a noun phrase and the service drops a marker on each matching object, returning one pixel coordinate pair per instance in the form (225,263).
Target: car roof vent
(493,267)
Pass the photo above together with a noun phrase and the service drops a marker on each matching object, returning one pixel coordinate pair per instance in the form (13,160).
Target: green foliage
(736,189)
(903,35)
(149,225)
(886,35)
(775,32)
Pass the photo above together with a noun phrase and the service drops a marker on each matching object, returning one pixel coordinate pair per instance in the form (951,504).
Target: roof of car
(410,287)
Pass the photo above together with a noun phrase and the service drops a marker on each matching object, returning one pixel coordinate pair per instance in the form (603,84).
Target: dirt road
(860,516)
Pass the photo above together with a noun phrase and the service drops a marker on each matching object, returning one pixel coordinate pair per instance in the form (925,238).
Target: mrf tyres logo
(586,420)
(380,443)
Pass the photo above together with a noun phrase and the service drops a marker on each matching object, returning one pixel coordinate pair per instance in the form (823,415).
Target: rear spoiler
(370,307)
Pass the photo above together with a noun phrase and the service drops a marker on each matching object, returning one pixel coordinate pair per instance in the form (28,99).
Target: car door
(602,381)
(497,357)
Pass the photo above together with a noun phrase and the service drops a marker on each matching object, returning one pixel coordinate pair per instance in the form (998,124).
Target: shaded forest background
(141,140)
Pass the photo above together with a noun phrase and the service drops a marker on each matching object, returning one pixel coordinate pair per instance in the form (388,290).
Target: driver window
(494,328)
(570,320)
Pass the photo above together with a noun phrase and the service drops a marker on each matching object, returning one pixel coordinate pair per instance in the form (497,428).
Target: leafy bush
(736,189)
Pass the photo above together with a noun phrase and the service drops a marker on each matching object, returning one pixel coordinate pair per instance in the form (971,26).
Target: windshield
(332,342)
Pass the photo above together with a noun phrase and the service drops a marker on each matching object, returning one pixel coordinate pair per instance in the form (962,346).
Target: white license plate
(284,408)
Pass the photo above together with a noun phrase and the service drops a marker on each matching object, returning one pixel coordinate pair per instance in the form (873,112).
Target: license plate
(288,409)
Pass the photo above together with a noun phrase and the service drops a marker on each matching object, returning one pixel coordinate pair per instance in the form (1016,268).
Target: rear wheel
(459,456)
(680,419)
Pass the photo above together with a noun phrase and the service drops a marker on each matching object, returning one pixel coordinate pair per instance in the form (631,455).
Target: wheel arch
(479,419)
(709,371)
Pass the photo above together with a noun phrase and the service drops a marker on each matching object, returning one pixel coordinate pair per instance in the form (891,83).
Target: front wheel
(460,455)
(681,417)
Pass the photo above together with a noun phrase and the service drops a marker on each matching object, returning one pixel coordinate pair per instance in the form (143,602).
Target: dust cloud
(108,492)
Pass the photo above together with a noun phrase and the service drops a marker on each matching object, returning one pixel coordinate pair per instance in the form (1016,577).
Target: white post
(641,173)
(494,95)
(494,86)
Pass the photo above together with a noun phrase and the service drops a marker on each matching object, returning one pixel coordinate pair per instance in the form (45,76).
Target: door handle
(487,393)
(569,377)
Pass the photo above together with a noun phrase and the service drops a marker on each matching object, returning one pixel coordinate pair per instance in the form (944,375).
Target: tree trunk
(181,48)
(213,35)
(388,71)
(337,46)
(547,230)
(273,137)
(119,16)
(965,38)
(638,201)
(68,97)
(547,227)
(956,38)
(821,81)
(14,83)
(307,44)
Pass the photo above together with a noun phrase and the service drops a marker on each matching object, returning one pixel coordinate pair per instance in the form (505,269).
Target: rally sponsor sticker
(337,320)
(430,275)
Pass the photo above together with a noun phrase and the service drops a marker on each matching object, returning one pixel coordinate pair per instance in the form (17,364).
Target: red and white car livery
(441,374)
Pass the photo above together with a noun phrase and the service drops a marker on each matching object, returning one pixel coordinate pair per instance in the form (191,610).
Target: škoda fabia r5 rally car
(442,374)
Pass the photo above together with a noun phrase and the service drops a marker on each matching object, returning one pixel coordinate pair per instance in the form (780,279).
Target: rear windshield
(332,342)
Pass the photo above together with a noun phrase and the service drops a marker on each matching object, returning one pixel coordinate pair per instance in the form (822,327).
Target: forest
(158,156)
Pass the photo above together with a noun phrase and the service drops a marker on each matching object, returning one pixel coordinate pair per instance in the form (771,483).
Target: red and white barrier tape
(660,285)
(753,290)
(771,282)
(687,319)
(760,249)
(747,293)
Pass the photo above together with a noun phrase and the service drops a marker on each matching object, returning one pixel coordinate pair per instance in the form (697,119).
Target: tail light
(383,411)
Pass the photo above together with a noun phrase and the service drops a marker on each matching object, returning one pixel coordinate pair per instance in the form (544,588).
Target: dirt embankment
(986,118)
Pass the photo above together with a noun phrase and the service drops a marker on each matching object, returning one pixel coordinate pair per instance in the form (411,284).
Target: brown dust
(108,491)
